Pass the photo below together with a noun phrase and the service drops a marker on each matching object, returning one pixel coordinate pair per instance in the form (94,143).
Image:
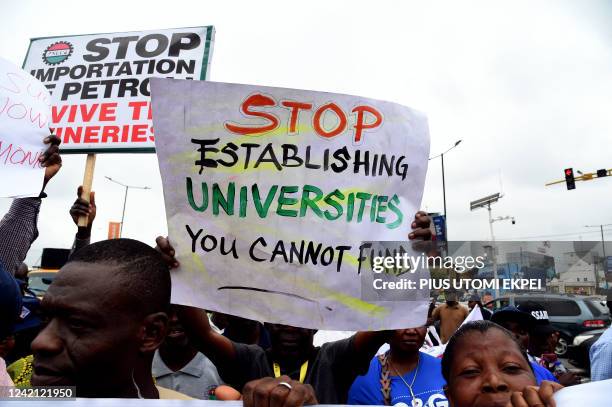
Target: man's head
(542,335)
(515,321)
(290,344)
(243,330)
(483,365)
(176,337)
(106,313)
(451,298)
(6,346)
(21,272)
(409,340)
(473,301)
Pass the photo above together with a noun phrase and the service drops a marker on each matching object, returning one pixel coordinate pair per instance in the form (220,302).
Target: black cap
(542,325)
(513,314)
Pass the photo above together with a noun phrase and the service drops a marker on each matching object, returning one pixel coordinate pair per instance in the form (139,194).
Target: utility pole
(127,187)
(482,203)
(441,155)
(493,249)
(603,249)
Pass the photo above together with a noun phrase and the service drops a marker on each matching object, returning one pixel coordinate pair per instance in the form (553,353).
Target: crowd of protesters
(92,332)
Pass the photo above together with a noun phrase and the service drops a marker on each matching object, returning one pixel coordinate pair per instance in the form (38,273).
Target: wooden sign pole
(87,182)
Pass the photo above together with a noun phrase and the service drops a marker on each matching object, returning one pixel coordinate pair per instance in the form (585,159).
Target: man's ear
(153,331)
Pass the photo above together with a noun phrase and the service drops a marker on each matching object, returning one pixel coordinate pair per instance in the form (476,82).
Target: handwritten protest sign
(270,193)
(24,123)
(100,82)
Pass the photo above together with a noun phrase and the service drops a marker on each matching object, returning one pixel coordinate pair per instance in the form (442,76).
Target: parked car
(571,315)
(51,261)
(40,280)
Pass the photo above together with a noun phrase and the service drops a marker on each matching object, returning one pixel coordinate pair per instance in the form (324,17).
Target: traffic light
(569,178)
(602,173)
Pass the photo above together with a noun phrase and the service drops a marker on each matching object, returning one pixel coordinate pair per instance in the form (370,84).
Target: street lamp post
(486,203)
(441,155)
(127,187)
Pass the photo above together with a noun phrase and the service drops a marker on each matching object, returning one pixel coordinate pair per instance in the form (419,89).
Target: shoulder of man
(249,351)
(251,363)
(604,343)
(167,394)
(343,358)
(339,346)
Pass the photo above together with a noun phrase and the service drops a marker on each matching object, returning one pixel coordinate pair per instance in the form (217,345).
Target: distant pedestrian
(450,314)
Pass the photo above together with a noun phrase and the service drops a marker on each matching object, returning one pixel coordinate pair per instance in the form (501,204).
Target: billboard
(100,82)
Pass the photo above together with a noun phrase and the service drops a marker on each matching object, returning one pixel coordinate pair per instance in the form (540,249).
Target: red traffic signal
(569,178)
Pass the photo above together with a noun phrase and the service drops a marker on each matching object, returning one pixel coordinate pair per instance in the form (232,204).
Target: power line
(556,235)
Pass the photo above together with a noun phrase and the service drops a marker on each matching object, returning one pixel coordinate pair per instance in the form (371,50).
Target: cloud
(525,84)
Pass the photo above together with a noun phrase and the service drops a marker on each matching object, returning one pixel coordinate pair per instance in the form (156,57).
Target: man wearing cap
(475,301)
(543,338)
(601,353)
(520,323)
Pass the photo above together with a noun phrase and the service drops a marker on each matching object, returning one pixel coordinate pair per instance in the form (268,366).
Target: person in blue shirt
(402,375)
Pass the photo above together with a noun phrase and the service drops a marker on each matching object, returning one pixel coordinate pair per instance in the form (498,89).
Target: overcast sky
(526,85)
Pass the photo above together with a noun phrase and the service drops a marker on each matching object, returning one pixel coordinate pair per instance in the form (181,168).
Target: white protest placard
(271,192)
(594,394)
(100,82)
(24,123)
(587,394)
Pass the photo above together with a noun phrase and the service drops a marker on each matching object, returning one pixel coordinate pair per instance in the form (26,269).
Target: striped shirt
(17,231)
